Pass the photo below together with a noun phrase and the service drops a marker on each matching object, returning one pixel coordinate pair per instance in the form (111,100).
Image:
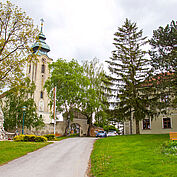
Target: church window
(29,68)
(42,94)
(43,68)
(146,124)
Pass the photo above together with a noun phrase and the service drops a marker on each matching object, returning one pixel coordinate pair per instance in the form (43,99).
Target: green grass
(10,150)
(132,156)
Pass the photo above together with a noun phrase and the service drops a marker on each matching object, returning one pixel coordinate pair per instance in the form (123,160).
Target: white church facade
(38,72)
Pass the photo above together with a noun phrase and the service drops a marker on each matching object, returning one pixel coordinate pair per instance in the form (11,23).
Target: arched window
(30,68)
(42,94)
(43,68)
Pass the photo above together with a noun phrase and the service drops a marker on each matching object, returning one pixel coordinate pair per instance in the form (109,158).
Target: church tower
(38,73)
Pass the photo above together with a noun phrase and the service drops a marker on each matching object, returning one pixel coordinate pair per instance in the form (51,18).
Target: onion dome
(40,47)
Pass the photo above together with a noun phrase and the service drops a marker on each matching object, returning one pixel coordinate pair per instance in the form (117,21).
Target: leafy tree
(70,81)
(12,107)
(96,100)
(17,33)
(101,118)
(129,69)
(164,61)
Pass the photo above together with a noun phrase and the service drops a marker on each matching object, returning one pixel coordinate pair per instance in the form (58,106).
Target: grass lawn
(132,155)
(10,150)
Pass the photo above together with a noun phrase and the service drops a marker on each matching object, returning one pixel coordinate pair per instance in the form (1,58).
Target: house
(163,124)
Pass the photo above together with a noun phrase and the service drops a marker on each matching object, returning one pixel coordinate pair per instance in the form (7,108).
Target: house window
(42,94)
(146,124)
(166,123)
(43,68)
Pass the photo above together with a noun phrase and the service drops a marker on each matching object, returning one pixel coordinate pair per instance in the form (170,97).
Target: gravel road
(66,158)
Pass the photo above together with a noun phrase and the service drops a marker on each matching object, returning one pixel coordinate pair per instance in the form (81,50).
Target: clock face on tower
(44,60)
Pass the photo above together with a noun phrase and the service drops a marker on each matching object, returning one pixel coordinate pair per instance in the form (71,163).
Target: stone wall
(59,128)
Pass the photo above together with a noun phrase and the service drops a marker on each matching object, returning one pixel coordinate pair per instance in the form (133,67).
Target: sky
(84,29)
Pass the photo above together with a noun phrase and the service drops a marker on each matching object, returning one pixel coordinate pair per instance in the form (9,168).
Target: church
(38,73)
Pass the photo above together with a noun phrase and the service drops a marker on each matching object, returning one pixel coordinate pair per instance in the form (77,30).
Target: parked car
(101,134)
(112,133)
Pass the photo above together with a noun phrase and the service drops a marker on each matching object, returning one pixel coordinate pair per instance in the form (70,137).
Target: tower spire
(42,22)
(40,47)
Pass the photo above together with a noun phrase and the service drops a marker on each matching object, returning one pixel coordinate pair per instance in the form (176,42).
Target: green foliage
(16,35)
(109,128)
(95,100)
(163,55)
(129,68)
(40,139)
(101,119)
(164,50)
(74,135)
(50,137)
(70,81)
(19,138)
(12,107)
(30,138)
(169,147)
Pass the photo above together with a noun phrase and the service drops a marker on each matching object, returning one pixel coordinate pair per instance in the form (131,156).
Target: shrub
(74,135)
(19,138)
(170,147)
(30,138)
(50,137)
(40,139)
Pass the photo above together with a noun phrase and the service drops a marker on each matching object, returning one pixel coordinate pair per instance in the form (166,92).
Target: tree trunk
(90,125)
(137,127)
(67,127)
(131,122)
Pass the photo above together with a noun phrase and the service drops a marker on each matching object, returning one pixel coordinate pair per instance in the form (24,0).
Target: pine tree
(129,70)
(163,55)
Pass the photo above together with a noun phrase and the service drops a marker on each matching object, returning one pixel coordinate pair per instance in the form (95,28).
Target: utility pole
(54,108)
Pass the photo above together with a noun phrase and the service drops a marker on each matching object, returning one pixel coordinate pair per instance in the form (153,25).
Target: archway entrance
(75,129)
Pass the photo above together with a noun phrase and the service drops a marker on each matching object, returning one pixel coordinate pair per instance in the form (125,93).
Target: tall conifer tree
(129,69)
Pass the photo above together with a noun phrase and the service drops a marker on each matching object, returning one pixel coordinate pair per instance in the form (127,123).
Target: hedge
(50,137)
(30,138)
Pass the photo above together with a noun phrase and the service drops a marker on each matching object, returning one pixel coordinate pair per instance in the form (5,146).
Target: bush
(170,147)
(50,137)
(19,138)
(30,138)
(40,139)
(74,135)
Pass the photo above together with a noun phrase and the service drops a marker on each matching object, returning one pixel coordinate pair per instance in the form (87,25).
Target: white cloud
(83,29)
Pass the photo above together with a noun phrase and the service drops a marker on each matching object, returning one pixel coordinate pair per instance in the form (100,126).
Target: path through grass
(132,156)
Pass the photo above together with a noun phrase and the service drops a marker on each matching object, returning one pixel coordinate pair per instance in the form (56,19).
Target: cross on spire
(42,21)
